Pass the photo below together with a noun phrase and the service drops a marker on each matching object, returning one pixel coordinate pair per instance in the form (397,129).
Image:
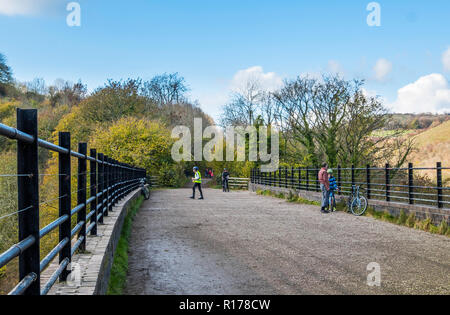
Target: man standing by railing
(325,187)
(225,180)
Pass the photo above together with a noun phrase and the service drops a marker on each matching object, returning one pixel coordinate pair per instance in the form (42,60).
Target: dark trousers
(199,189)
(226,187)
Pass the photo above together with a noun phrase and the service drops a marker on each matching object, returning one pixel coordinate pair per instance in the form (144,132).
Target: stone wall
(94,265)
(394,208)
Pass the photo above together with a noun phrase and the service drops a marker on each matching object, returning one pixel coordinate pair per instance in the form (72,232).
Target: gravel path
(241,243)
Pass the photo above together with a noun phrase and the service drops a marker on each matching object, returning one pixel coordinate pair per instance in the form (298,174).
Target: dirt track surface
(241,243)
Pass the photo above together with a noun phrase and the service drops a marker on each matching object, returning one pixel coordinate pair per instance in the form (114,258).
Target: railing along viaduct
(386,183)
(110,181)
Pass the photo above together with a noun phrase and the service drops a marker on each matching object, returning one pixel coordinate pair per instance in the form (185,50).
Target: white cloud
(430,93)
(28,7)
(382,69)
(335,67)
(269,81)
(446,59)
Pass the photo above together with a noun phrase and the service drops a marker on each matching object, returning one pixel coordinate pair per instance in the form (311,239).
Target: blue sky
(216,44)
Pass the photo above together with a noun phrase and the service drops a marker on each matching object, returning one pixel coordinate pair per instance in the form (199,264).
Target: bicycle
(144,190)
(357,202)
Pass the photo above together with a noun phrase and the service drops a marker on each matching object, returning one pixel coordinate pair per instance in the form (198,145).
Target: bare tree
(5,75)
(248,103)
(296,104)
(166,89)
(332,119)
(37,86)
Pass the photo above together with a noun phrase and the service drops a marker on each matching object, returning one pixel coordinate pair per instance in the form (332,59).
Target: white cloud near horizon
(28,7)
(430,93)
(269,81)
(382,69)
(446,59)
(335,67)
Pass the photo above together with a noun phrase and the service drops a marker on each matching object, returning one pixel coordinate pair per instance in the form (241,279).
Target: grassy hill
(433,145)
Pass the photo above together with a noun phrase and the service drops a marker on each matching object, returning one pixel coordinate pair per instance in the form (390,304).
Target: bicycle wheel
(359,205)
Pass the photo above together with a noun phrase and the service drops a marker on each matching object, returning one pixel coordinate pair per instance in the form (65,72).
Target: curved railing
(110,181)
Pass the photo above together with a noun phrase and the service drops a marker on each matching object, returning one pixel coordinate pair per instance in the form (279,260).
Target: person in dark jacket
(225,179)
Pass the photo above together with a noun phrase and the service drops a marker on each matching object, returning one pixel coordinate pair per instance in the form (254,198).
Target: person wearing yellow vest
(197,180)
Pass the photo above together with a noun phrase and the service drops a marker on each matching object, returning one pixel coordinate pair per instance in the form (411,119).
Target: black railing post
(387,183)
(110,183)
(285,177)
(65,201)
(292,177)
(411,183)
(81,195)
(28,198)
(339,179)
(101,187)
(368,181)
(122,179)
(317,170)
(93,183)
(279,178)
(353,176)
(116,180)
(106,186)
(307,178)
(439,185)
(299,178)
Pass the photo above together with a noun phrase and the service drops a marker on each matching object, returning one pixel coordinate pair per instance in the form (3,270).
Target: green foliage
(402,218)
(119,268)
(410,222)
(443,227)
(386,216)
(2,272)
(8,201)
(143,143)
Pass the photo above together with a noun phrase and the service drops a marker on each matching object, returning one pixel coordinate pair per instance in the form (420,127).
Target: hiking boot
(201,198)
(192,197)
(324,211)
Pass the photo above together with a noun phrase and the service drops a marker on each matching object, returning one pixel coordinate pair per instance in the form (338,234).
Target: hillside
(433,145)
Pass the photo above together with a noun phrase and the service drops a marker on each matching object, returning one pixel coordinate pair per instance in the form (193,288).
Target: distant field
(433,145)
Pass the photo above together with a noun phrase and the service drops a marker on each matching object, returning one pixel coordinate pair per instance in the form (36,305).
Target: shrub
(411,221)
(386,216)
(402,218)
(426,225)
(443,227)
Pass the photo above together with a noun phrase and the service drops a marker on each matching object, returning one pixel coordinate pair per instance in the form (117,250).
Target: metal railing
(110,181)
(390,184)
(239,183)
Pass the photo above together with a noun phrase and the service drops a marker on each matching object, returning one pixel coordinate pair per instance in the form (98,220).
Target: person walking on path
(197,183)
(325,187)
